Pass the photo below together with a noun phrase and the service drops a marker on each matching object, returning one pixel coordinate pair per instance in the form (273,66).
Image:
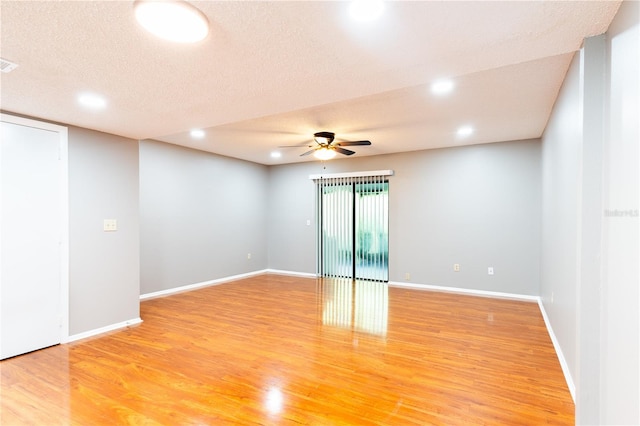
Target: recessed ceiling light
(366,10)
(442,86)
(465,131)
(92,101)
(197,133)
(173,20)
(276,154)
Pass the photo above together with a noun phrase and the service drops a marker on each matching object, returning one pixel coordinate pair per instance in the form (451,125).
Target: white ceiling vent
(6,66)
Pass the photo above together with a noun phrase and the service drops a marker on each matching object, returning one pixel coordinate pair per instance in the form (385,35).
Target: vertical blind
(336,209)
(352,225)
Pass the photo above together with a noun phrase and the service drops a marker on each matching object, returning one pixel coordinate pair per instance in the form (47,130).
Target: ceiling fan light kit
(324,154)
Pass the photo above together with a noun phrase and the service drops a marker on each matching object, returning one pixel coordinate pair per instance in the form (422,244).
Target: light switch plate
(110,225)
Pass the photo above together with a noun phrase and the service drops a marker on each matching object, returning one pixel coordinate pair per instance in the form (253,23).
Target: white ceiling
(273,73)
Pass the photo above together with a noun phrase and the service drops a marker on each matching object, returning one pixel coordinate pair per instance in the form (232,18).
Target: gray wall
(201,215)
(478,206)
(589,283)
(291,242)
(104,269)
(561,149)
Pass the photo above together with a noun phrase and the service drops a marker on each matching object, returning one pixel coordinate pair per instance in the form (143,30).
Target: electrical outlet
(490,270)
(456,267)
(407,276)
(248,255)
(110,225)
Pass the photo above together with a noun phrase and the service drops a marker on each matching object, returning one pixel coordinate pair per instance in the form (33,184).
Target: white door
(31,233)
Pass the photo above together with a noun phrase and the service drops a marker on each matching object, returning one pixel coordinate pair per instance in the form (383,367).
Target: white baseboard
(470,292)
(563,362)
(102,330)
(203,284)
(291,273)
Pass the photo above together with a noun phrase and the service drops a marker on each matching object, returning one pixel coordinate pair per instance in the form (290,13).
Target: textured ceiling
(273,73)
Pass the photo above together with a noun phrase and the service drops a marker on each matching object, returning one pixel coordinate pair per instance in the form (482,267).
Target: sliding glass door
(353,228)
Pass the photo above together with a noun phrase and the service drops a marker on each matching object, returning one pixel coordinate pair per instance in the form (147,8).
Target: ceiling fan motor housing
(327,136)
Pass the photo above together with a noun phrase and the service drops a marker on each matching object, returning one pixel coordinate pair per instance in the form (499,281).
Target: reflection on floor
(362,306)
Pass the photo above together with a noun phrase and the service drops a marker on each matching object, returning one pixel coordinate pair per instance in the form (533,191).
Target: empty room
(319,212)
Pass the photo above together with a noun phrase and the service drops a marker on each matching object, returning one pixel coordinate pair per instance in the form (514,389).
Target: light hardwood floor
(275,350)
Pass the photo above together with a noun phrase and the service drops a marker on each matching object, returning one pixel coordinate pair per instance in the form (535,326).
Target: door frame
(63,170)
(318,179)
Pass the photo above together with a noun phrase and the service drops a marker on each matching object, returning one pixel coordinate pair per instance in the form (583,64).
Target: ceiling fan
(326,147)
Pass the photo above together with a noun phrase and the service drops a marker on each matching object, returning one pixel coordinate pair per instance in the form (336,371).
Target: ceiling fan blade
(307,153)
(306,143)
(352,143)
(343,151)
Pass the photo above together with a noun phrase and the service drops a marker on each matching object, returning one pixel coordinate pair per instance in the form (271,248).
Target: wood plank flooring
(275,350)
